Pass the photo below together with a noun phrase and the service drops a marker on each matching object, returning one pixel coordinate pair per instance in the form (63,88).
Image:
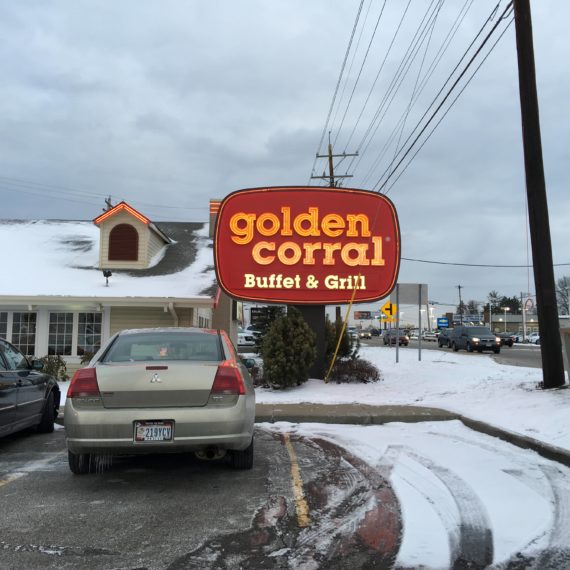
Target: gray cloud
(169,104)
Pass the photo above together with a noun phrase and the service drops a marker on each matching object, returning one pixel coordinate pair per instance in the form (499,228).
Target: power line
(444,115)
(381,184)
(431,70)
(336,88)
(395,83)
(378,74)
(353,59)
(499,266)
(360,71)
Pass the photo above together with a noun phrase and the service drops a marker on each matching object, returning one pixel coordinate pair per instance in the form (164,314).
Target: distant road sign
(442,323)
(389,309)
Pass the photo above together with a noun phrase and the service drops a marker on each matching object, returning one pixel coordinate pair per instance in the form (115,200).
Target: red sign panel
(307,245)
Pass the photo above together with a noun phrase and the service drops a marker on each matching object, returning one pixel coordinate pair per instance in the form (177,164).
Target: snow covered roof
(60,258)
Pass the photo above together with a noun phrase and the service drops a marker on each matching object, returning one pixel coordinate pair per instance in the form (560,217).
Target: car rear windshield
(198,346)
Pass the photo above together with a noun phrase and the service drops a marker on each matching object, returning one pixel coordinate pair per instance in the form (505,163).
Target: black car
(28,398)
(507,339)
(444,338)
(475,338)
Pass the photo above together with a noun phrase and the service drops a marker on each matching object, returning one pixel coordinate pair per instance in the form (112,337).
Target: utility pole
(550,342)
(459,287)
(315,315)
(331,176)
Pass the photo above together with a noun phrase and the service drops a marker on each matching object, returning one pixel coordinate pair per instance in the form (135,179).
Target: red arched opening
(123,243)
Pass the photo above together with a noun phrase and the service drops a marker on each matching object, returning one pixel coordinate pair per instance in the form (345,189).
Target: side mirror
(37,365)
(249,363)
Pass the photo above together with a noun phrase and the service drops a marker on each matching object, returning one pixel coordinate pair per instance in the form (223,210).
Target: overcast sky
(168,104)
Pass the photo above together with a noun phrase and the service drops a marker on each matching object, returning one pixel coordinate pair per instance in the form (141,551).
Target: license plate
(153,431)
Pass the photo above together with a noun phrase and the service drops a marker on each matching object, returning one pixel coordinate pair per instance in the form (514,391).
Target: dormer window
(129,240)
(124,243)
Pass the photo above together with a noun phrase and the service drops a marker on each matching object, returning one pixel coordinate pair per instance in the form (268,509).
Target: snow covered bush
(288,351)
(348,370)
(55,366)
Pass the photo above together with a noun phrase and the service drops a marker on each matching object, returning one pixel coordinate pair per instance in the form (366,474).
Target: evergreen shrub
(288,350)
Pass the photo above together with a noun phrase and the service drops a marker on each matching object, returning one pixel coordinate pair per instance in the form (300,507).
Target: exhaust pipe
(211,453)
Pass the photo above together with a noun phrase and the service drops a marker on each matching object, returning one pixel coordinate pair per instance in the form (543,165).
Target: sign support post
(420,322)
(397,324)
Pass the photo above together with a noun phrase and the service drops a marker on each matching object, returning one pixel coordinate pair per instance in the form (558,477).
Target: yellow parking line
(301,506)
(10,478)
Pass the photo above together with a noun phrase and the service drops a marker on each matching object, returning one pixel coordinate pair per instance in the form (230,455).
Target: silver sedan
(159,391)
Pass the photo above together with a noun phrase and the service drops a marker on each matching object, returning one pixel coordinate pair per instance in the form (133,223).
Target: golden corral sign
(307,245)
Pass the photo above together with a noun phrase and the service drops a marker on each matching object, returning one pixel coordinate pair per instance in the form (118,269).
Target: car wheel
(496,350)
(81,463)
(449,344)
(469,347)
(242,459)
(454,346)
(48,416)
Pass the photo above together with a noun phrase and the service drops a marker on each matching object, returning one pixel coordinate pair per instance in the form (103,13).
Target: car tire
(448,344)
(469,347)
(242,459)
(454,346)
(48,416)
(80,463)
(496,350)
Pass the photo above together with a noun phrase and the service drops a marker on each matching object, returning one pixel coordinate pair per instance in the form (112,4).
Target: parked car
(376,332)
(507,339)
(365,334)
(475,338)
(444,338)
(391,337)
(28,397)
(533,338)
(245,338)
(158,391)
(253,330)
(430,336)
(352,333)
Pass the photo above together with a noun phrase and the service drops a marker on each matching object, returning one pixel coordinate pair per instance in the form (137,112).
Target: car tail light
(228,380)
(84,384)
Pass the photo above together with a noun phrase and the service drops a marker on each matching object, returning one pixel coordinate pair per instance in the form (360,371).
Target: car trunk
(150,386)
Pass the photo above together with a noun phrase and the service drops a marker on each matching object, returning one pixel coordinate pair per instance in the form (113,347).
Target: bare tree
(563,295)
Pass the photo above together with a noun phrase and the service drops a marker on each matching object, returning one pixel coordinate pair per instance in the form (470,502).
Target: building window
(24,332)
(124,243)
(89,333)
(60,333)
(3,325)
(203,322)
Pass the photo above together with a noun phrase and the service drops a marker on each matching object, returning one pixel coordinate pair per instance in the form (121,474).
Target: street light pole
(506,309)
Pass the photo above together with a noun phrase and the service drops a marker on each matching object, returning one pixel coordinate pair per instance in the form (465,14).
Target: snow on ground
(512,495)
(471,384)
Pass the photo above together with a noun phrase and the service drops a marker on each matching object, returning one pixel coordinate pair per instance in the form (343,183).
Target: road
(308,503)
(517,355)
